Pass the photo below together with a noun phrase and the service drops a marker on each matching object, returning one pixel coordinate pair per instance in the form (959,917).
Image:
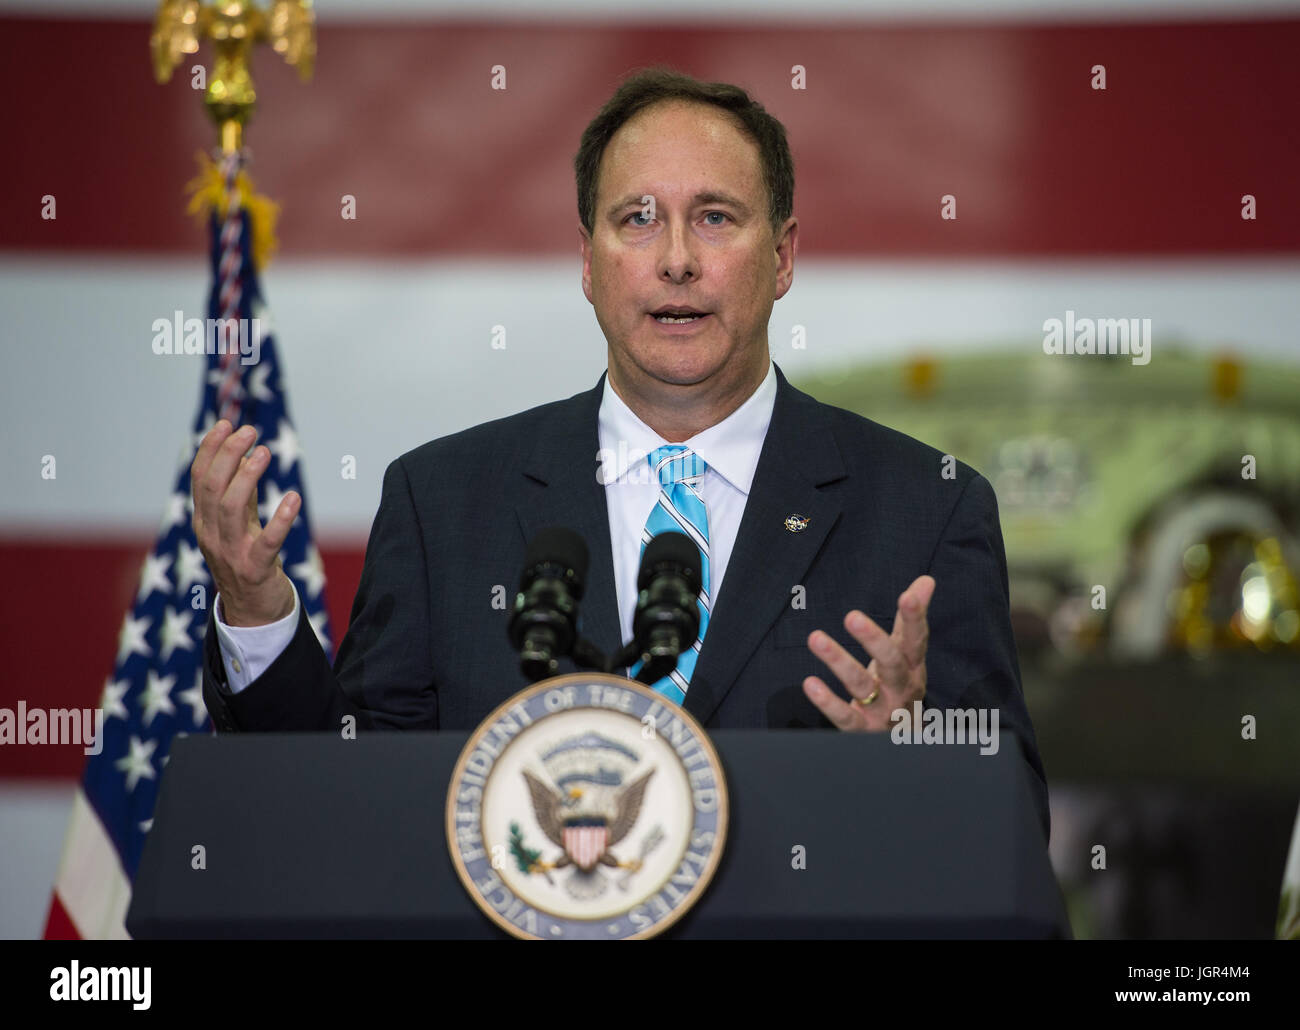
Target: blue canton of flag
(155,693)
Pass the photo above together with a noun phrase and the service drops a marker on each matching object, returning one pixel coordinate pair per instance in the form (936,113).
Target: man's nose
(678,263)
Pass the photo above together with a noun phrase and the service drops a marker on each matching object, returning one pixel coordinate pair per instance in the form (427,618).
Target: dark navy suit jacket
(427,648)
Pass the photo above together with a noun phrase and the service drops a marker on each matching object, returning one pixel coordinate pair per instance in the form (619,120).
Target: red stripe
(401,116)
(60,623)
(58,925)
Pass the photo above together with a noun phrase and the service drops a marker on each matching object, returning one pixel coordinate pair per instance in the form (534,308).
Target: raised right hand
(243,557)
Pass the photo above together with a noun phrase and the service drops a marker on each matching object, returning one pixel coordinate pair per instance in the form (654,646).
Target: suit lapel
(799,456)
(561,489)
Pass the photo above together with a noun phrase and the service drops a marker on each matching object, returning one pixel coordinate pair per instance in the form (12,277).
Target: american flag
(155,691)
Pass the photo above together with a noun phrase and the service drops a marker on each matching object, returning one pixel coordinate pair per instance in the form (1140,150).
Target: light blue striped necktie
(680,509)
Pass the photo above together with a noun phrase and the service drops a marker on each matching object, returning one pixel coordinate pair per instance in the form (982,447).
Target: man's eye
(642,225)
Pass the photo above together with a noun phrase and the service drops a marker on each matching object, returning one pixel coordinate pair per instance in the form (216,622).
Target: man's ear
(584,248)
(786,247)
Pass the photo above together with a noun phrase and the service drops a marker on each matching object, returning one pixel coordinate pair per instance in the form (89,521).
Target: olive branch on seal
(529,860)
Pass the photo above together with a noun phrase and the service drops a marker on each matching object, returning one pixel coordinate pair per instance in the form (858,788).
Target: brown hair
(655,85)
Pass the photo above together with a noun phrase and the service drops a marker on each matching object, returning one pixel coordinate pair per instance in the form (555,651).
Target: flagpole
(232,136)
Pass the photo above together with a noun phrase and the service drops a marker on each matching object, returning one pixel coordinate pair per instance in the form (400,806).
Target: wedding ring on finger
(875,691)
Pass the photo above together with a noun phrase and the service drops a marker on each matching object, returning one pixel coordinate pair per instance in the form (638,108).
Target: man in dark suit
(803,511)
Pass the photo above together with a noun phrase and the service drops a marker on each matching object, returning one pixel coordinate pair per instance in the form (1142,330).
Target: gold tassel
(207,191)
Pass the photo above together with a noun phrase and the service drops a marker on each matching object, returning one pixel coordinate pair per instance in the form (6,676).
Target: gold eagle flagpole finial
(234,26)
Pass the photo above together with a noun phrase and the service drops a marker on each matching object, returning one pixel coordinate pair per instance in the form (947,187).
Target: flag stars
(137,762)
(274,495)
(175,632)
(318,627)
(190,568)
(285,446)
(111,701)
(130,638)
(157,696)
(176,514)
(311,571)
(257,384)
(153,575)
(194,698)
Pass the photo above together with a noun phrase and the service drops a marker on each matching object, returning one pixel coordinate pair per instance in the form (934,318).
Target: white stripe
(92,886)
(683,521)
(666,461)
(691,487)
(322,308)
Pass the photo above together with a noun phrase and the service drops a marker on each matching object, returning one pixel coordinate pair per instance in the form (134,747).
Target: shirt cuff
(248,651)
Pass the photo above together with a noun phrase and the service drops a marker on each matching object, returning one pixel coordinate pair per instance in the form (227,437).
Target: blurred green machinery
(1145,508)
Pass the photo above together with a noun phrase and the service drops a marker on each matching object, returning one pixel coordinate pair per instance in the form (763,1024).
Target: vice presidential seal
(587,807)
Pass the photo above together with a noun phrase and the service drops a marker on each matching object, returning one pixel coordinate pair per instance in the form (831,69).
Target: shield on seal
(585,841)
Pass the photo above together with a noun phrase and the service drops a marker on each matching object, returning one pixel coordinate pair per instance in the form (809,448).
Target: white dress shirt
(730,449)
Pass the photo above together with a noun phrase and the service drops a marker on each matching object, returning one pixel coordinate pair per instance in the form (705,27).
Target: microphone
(544,624)
(667,618)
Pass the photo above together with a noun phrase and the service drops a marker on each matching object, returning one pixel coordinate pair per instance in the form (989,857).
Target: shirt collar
(731,448)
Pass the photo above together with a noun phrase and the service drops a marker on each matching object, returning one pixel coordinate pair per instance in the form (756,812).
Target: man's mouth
(677,315)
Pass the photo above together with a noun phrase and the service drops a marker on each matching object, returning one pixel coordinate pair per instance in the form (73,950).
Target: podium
(831,835)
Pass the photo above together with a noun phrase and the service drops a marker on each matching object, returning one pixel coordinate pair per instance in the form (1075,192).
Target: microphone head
(563,551)
(670,552)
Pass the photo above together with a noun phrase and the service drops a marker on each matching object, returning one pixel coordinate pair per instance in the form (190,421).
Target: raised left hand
(896,676)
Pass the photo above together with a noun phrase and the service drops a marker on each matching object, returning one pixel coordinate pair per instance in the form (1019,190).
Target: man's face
(709,248)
